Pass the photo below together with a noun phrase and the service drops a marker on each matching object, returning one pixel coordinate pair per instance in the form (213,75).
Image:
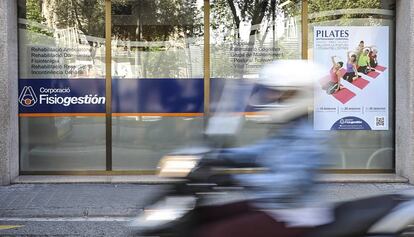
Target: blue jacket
(293,157)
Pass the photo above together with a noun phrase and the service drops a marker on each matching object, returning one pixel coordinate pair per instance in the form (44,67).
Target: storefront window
(157,79)
(163,89)
(61,86)
(368,98)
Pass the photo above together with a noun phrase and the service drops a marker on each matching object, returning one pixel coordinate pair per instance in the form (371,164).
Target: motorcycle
(204,181)
(174,212)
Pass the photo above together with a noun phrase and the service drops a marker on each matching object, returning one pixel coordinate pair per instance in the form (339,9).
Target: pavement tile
(20,202)
(11,197)
(39,200)
(5,198)
(57,199)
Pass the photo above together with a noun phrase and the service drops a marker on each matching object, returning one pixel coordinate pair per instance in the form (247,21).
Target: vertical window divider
(206,58)
(305,30)
(108,83)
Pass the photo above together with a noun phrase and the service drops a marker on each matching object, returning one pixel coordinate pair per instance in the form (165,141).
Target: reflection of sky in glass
(200,4)
(245,27)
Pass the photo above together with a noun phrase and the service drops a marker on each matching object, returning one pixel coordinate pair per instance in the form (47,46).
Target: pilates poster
(353,95)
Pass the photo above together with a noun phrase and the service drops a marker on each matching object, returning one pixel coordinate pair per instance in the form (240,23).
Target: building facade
(108,87)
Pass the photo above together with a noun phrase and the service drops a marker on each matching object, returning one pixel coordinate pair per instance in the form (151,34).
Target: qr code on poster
(380,121)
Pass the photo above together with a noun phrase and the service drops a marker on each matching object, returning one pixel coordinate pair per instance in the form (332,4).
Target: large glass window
(158,87)
(162,88)
(362,149)
(61,74)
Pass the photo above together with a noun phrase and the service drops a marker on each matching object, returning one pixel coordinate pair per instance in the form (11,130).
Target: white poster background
(370,103)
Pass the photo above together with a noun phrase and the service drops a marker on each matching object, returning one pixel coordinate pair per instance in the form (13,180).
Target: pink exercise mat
(361,83)
(373,74)
(344,95)
(380,68)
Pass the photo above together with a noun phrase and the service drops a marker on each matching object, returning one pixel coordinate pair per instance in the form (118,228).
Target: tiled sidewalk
(100,200)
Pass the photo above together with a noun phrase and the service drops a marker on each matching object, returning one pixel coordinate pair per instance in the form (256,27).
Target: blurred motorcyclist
(284,198)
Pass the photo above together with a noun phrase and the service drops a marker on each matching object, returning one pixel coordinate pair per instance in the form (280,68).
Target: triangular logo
(27,97)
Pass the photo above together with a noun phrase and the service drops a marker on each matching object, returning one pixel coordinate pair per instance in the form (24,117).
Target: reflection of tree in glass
(229,15)
(164,30)
(232,17)
(34,14)
(85,15)
(319,6)
(153,20)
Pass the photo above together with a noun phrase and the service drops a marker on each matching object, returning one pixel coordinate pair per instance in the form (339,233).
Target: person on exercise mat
(334,84)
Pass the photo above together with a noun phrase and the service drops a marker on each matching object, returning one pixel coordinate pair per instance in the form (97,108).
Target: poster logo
(27,97)
(351,123)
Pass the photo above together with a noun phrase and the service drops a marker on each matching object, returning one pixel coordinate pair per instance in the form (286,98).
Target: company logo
(350,123)
(57,96)
(27,97)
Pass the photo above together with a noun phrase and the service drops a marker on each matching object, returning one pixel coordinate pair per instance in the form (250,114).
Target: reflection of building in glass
(291,29)
(291,41)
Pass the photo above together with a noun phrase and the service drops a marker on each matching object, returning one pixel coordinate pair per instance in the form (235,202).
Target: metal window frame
(108,83)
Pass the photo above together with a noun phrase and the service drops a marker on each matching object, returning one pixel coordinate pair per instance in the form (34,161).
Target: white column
(404,81)
(9,130)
